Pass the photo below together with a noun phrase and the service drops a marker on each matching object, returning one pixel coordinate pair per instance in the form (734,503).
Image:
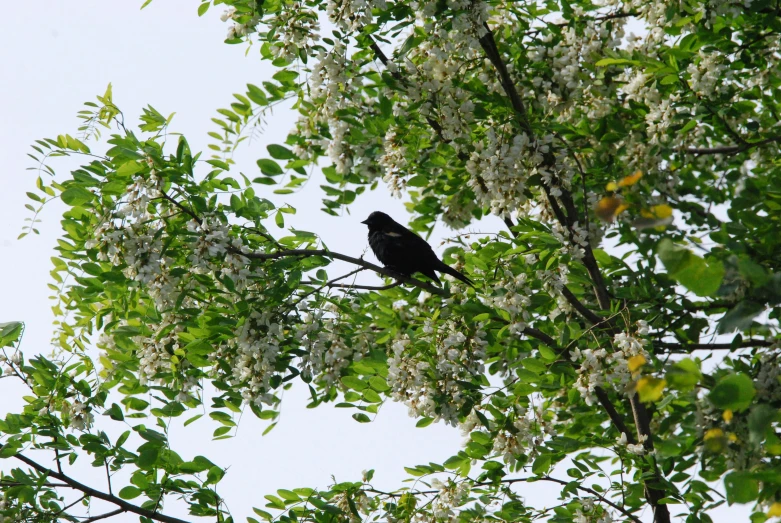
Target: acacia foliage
(638,181)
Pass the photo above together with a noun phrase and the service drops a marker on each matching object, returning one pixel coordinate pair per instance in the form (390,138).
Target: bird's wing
(403,236)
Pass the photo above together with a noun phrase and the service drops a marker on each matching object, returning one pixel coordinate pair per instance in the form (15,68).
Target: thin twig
(104,516)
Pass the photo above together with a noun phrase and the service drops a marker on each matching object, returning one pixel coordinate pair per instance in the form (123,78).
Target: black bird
(403,251)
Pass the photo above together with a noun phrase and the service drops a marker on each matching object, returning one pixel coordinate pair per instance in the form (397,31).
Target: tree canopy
(621,343)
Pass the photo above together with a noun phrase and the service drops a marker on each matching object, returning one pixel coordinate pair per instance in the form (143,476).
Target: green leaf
(740,317)
(424,422)
(741,487)
(542,464)
(360,417)
(269,167)
(734,392)
(279,152)
(10,332)
(684,375)
(76,196)
(378,384)
(129,168)
(262,513)
(203,8)
(615,61)
(759,421)
(456,461)
(701,277)
(129,492)
(353,382)
(288,495)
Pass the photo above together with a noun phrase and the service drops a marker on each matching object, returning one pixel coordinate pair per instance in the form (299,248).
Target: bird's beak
(366,221)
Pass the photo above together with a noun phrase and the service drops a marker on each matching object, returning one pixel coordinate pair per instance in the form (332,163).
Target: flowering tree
(638,180)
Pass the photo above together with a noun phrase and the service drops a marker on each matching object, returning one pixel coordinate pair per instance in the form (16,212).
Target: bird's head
(377,220)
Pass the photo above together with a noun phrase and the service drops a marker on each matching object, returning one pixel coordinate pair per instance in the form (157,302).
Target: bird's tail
(447,269)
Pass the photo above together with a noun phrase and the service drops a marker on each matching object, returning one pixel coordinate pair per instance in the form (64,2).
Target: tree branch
(89,491)
(488,43)
(643,425)
(729,149)
(104,516)
(349,259)
(686,348)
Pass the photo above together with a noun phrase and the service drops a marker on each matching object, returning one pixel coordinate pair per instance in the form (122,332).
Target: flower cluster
(526,436)
(553,281)
(498,170)
(451,496)
(513,295)
(154,353)
(238,29)
(768,383)
(80,415)
(632,448)
(591,513)
(296,32)
(430,386)
(352,15)
(598,367)
(328,351)
(394,163)
(252,356)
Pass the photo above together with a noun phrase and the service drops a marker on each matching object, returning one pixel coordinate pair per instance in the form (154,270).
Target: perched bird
(403,251)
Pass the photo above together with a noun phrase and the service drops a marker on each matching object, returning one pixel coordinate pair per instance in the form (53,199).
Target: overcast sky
(57,55)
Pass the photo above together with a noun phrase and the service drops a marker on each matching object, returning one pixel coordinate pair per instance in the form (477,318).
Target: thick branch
(488,43)
(643,424)
(584,311)
(89,491)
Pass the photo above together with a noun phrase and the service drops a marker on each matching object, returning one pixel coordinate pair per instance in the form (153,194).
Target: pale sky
(57,55)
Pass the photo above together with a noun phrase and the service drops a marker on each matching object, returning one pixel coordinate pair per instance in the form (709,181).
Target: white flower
(228,14)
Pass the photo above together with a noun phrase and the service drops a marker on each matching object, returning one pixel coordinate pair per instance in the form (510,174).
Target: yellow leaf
(727,415)
(631,179)
(609,207)
(650,389)
(658,216)
(635,362)
(732,437)
(657,211)
(612,186)
(775,510)
(715,441)
(713,433)
(662,211)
